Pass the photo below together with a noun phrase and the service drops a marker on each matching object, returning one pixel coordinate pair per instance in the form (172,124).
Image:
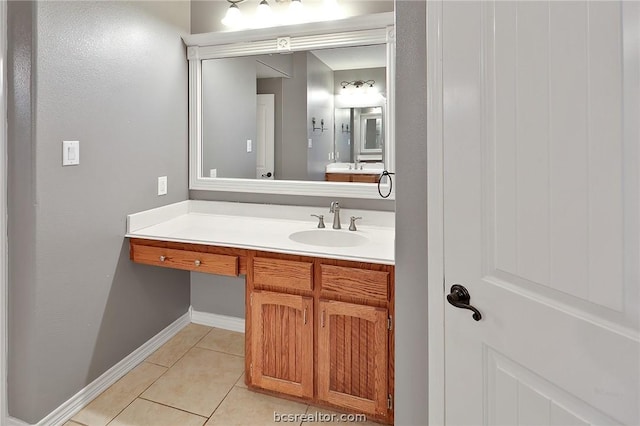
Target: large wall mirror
(305,109)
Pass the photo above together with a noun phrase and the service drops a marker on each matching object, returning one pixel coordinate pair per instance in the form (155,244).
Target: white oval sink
(328,238)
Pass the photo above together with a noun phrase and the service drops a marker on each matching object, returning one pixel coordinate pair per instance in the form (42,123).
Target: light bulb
(296,9)
(233,16)
(264,15)
(332,9)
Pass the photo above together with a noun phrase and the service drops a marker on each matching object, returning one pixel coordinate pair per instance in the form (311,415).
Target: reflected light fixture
(233,16)
(357,83)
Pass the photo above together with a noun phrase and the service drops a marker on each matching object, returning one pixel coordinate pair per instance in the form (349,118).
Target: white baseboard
(69,408)
(219,321)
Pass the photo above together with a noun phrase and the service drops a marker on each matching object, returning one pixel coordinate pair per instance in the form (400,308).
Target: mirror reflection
(307,116)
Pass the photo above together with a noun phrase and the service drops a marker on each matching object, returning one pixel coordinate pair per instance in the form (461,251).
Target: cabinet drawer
(354,282)
(185,259)
(282,273)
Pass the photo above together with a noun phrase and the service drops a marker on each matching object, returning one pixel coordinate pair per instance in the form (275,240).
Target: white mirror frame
(356,31)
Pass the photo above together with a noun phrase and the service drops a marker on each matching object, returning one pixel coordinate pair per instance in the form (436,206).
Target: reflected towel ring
(383,174)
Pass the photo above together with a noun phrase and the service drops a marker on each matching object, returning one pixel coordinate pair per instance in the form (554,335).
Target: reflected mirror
(298,116)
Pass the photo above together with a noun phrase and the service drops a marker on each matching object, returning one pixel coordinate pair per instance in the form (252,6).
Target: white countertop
(264,227)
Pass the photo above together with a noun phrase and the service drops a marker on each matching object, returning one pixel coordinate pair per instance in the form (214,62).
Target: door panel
(282,343)
(352,356)
(537,203)
(265,134)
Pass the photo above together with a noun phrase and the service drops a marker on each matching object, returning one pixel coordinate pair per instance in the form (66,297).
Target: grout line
(225,397)
(155,363)
(175,408)
(138,396)
(220,352)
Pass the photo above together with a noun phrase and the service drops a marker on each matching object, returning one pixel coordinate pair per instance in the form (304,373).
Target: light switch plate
(162,185)
(70,153)
(249,143)
(310,143)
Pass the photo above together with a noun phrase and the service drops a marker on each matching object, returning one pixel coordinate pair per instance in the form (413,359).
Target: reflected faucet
(335,209)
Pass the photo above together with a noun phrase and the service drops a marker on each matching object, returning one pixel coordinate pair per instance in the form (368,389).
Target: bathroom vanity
(319,302)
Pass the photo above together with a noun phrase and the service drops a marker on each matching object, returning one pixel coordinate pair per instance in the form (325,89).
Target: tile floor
(195,379)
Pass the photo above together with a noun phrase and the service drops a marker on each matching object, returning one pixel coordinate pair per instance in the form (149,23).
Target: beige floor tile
(108,404)
(243,407)
(240,383)
(323,416)
(146,413)
(178,345)
(197,382)
(230,342)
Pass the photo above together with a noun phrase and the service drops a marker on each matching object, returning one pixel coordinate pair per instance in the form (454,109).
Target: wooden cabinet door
(282,343)
(352,357)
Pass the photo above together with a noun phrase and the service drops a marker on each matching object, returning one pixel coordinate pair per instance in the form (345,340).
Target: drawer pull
(197,262)
(163,258)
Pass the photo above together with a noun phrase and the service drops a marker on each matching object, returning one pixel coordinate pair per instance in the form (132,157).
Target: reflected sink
(328,238)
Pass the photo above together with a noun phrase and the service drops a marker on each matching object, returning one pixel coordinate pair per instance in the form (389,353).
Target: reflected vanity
(304,110)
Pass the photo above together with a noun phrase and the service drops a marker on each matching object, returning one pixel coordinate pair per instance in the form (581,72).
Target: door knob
(268,174)
(460,298)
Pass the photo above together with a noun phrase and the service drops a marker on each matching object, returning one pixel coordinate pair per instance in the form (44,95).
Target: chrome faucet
(335,209)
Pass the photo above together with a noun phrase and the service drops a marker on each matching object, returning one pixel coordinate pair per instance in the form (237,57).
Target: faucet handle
(320,220)
(352,225)
(335,206)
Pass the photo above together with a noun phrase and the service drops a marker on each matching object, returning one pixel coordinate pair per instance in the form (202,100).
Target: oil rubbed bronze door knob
(460,298)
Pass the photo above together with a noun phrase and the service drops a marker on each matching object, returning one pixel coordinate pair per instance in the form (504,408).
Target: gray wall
(411,214)
(342,119)
(229,106)
(320,106)
(294,128)
(112,75)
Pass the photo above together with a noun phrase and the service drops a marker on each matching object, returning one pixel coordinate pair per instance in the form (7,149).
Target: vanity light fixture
(295,7)
(264,10)
(233,17)
(357,83)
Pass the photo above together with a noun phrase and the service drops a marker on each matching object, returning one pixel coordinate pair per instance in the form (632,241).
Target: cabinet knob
(197,262)
(163,258)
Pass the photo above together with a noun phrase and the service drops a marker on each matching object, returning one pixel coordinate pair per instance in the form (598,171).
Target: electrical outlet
(213,173)
(162,185)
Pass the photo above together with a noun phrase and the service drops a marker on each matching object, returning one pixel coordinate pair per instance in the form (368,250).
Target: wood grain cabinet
(317,330)
(282,339)
(353,357)
(344,358)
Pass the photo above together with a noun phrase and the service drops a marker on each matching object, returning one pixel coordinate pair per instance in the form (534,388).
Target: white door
(265,136)
(541,212)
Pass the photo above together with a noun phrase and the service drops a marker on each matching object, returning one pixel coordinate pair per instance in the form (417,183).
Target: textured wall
(112,75)
(320,106)
(229,106)
(411,214)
